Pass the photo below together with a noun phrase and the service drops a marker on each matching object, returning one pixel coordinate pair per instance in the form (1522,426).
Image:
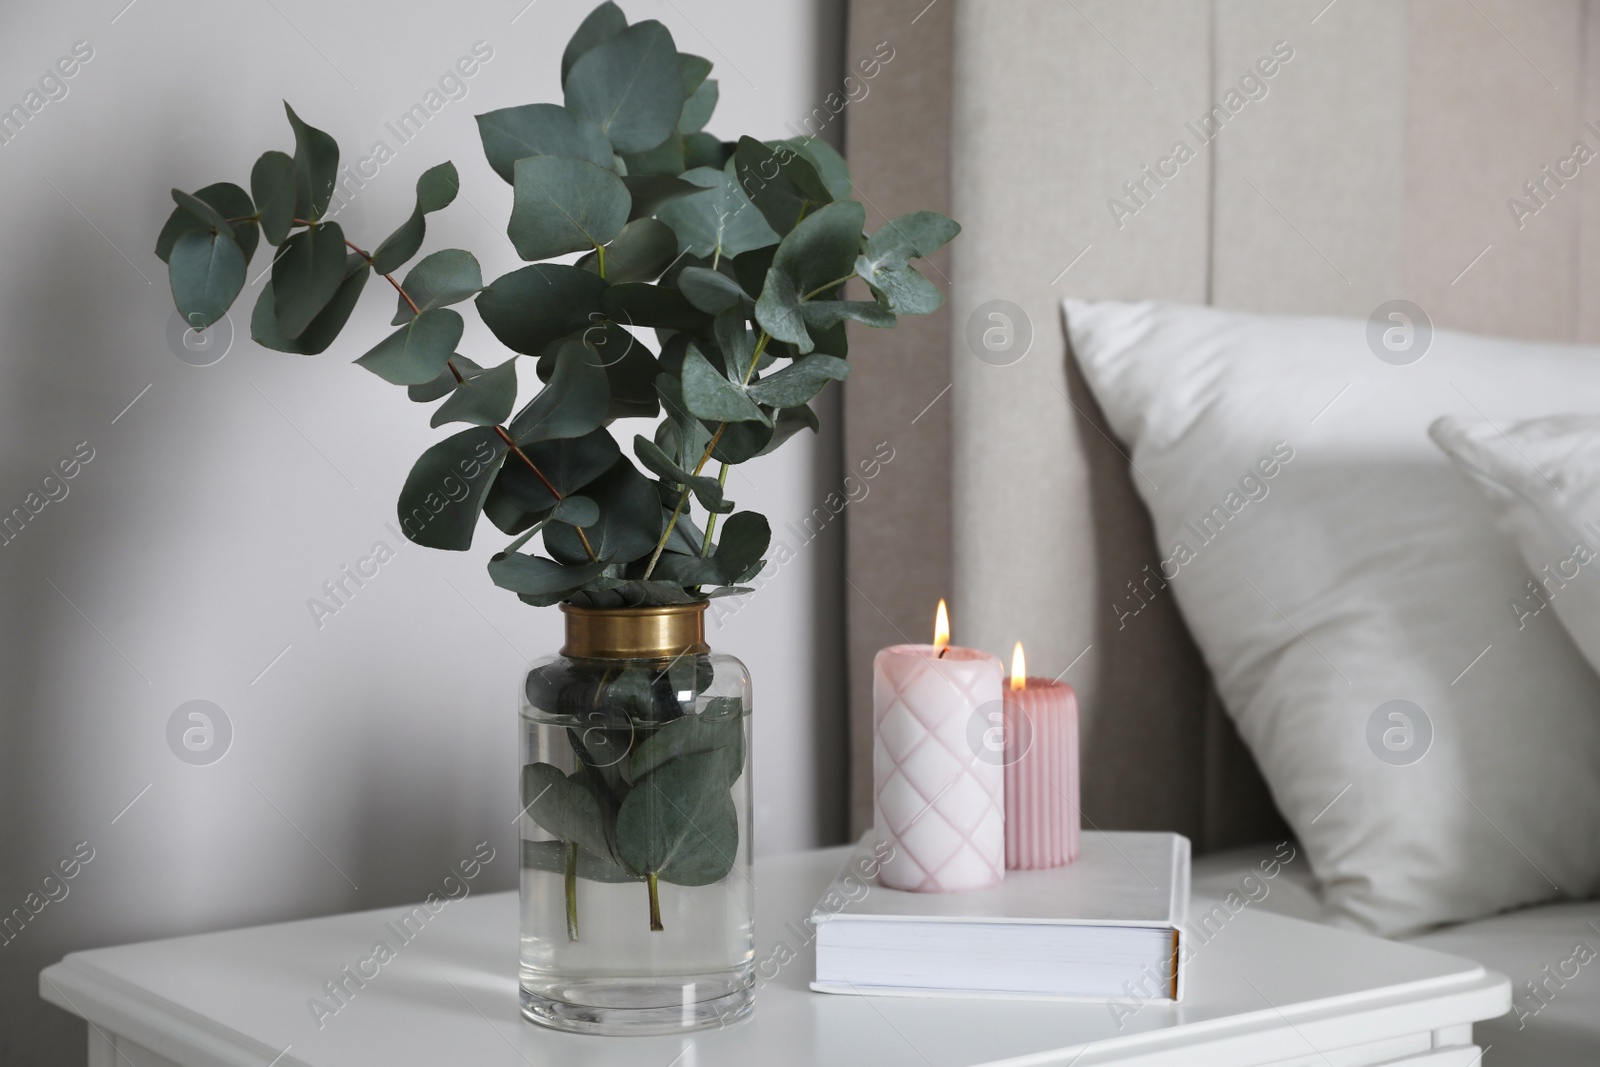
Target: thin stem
(600,259)
(829,285)
(711,520)
(655,902)
(455,371)
(683,497)
(572,891)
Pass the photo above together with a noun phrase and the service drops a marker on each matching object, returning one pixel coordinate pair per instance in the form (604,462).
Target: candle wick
(942,651)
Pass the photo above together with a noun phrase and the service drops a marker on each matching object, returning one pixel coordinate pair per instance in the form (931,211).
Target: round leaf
(564,205)
(272,185)
(443,494)
(316,164)
(484,400)
(679,822)
(306,274)
(573,404)
(710,395)
(514,133)
(630,86)
(418,351)
(531,307)
(598,27)
(207,271)
(448,276)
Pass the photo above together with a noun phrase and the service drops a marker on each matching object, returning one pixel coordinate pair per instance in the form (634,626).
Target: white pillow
(1542,478)
(1344,566)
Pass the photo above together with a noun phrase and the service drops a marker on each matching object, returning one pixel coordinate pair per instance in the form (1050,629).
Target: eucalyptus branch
(501,431)
(683,497)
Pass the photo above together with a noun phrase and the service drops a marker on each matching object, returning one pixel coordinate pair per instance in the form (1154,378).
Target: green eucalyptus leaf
(325,328)
(745,537)
(436,190)
(207,271)
(689,434)
(630,85)
(633,593)
(572,404)
(208,216)
(448,276)
(698,108)
(306,275)
(444,493)
(711,291)
(679,822)
(514,133)
(737,344)
(651,191)
(658,306)
(885,262)
(444,383)
(821,314)
(630,367)
(643,249)
(564,205)
(530,308)
(272,184)
(568,463)
(576,511)
(416,352)
(484,400)
(543,579)
(598,27)
(630,519)
(719,728)
(704,150)
(687,570)
(563,805)
(721,221)
(750,268)
(817,254)
(664,160)
(551,856)
(781,182)
(829,164)
(801,380)
(706,490)
(743,441)
(210,209)
(695,69)
(788,422)
(316,165)
(709,394)
(904,291)
(916,235)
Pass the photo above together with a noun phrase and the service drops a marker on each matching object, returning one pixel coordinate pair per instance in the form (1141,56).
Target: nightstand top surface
(1262,988)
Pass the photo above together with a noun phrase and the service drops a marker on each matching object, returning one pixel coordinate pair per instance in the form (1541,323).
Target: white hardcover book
(1107,926)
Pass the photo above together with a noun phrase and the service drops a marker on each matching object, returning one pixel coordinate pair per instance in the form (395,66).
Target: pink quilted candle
(1041,758)
(938,791)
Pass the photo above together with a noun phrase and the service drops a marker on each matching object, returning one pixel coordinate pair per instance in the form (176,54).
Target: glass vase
(637,897)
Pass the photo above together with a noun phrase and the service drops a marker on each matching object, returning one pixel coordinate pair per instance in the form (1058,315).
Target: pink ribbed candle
(938,798)
(1042,820)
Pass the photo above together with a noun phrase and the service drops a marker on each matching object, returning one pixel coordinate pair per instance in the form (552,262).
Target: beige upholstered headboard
(1384,158)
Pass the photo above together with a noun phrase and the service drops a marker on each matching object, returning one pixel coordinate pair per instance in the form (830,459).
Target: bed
(1387,156)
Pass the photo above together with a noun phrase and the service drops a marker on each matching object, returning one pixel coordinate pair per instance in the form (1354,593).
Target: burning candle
(938,798)
(1041,758)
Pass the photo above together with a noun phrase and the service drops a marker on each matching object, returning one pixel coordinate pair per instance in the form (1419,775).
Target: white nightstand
(1264,990)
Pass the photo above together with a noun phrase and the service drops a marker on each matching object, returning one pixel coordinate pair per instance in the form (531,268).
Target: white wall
(380,748)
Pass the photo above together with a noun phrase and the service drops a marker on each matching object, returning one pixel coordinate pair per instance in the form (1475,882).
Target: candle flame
(941,626)
(1019,668)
